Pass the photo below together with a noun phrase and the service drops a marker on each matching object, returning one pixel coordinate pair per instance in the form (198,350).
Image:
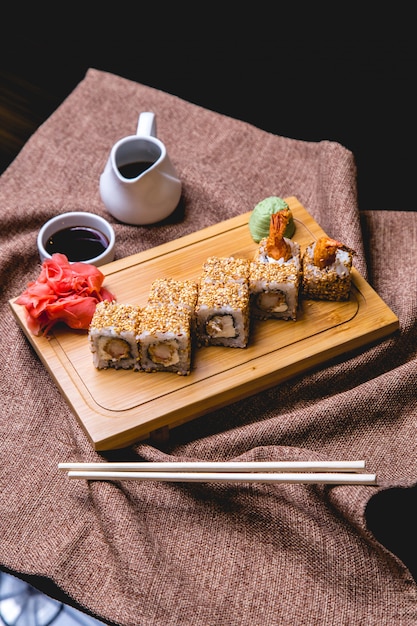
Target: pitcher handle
(147,124)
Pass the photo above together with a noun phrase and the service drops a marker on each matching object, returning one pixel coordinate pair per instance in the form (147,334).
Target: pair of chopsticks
(319,472)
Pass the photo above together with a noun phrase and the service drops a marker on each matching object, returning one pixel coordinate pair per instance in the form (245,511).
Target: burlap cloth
(171,554)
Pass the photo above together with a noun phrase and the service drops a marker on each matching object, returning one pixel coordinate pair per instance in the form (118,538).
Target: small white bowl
(72,228)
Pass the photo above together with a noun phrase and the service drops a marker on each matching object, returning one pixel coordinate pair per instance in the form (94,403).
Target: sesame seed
(119,317)
(225,269)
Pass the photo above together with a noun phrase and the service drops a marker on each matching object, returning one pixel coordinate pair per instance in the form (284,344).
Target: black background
(322,72)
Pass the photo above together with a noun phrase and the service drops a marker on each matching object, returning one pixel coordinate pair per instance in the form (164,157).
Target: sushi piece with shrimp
(165,338)
(223,314)
(276,248)
(167,326)
(326,270)
(275,274)
(274,289)
(113,334)
(223,306)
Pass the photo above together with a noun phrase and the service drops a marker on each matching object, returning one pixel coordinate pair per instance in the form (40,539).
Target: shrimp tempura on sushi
(276,245)
(325,251)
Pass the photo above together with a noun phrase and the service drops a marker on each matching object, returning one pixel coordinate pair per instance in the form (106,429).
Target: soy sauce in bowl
(78,243)
(79,235)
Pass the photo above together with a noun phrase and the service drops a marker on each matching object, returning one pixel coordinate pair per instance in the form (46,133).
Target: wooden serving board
(119,407)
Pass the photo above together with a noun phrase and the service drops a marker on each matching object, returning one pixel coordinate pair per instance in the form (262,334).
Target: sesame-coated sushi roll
(274,289)
(165,338)
(222,314)
(113,336)
(275,274)
(326,270)
(225,270)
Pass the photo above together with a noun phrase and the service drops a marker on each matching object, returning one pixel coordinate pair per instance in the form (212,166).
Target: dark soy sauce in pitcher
(132,170)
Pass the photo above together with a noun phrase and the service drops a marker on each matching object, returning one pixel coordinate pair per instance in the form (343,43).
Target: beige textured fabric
(162,554)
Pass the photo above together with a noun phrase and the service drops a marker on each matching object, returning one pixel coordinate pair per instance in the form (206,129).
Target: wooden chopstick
(327,472)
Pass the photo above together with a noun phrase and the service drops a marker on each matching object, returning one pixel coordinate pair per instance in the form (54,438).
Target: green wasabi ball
(261,216)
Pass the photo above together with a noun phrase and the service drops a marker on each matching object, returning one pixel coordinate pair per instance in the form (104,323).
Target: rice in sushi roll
(326,270)
(113,336)
(222,314)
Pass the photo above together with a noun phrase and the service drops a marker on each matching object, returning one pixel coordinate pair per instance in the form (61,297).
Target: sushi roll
(275,273)
(113,334)
(222,311)
(222,314)
(326,270)
(165,338)
(274,290)
(225,270)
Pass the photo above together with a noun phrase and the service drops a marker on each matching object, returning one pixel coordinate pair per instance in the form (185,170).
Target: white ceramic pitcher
(139,184)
